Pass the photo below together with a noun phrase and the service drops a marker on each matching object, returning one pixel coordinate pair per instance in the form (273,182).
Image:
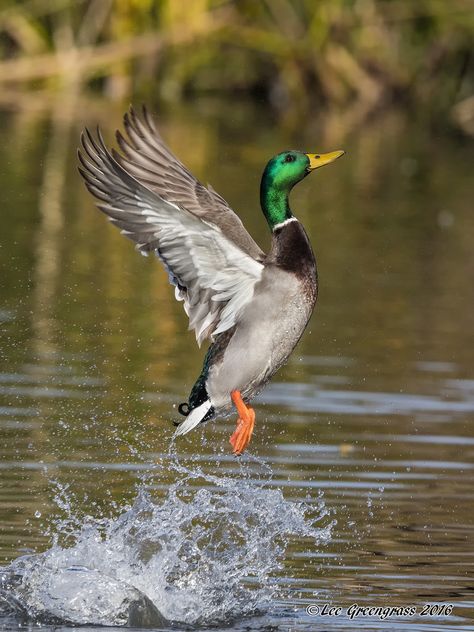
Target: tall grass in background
(295,54)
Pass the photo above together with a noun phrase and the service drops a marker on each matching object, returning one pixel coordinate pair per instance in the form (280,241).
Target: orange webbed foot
(245,424)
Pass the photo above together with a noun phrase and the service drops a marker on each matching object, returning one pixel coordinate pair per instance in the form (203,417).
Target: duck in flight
(252,306)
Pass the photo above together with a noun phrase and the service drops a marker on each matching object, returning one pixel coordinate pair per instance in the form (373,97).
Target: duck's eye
(290,158)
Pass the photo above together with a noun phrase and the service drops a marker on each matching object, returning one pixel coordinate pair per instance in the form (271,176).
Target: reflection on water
(374,409)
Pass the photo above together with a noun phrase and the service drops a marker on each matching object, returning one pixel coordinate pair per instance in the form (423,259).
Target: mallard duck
(254,307)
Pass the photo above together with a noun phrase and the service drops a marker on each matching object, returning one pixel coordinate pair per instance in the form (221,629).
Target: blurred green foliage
(295,54)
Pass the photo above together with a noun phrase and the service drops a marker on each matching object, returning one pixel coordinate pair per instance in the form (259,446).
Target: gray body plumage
(264,337)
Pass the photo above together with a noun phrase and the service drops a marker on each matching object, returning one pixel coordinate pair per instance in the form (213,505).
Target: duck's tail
(194,417)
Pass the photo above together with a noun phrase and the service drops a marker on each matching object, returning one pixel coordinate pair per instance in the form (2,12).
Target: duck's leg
(245,423)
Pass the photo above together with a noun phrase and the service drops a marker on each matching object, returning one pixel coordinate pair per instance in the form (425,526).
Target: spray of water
(206,553)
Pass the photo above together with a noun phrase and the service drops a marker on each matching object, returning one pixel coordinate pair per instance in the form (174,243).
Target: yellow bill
(319,160)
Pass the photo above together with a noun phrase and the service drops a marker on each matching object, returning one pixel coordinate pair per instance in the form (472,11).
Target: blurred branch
(463,115)
(93,21)
(89,60)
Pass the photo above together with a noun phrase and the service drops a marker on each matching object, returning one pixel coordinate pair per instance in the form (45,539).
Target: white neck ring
(287,221)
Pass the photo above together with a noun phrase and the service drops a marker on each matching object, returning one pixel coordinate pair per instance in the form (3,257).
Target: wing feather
(213,276)
(150,161)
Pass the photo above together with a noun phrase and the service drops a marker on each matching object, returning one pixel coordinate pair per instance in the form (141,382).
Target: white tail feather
(194,418)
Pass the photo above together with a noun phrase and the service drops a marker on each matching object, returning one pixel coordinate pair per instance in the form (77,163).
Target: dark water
(358,485)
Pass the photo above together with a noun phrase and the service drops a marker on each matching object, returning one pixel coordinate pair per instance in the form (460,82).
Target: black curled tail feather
(184,409)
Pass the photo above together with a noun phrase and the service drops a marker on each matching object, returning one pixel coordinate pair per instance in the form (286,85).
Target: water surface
(362,461)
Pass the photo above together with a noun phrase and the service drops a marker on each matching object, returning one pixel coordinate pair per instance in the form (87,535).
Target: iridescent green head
(280,176)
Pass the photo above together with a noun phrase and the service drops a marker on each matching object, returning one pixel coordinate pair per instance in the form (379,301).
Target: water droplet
(187,552)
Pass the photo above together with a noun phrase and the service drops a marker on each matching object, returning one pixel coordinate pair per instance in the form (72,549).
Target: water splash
(207,553)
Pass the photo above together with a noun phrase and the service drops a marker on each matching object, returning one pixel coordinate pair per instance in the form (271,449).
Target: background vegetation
(297,55)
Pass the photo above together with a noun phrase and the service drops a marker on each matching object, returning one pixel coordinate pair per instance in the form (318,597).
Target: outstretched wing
(148,159)
(213,275)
